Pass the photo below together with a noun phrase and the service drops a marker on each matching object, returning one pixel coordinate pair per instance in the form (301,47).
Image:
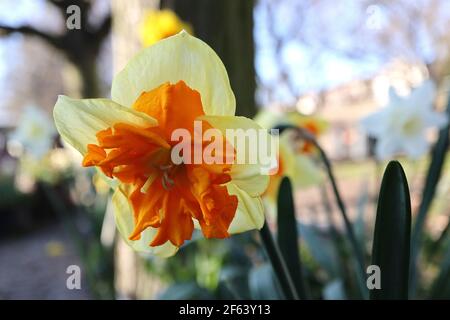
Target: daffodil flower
(158,203)
(160,24)
(314,125)
(401,126)
(34,134)
(50,168)
(296,158)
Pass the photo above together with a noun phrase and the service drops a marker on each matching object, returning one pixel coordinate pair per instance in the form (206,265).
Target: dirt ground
(34,266)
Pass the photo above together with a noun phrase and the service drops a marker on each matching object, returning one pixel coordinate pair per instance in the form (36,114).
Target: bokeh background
(330,59)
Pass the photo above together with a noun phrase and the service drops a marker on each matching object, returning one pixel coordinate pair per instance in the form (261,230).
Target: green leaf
(391,242)
(433,176)
(322,249)
(278,264)
(360,223)
(287,236)
(441,286)
(263,283)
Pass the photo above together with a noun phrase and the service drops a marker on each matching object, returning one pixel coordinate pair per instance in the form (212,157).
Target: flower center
(167,182)
(412,126)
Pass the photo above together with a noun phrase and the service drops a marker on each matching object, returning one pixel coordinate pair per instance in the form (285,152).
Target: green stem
(440,285)
(434,173)
(338,239)
(340,203)
(439,242)
(278,264)
(348,225)
(304,134)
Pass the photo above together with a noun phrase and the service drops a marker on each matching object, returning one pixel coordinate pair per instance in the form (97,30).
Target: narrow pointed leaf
(287,236)
(441,286)
(278,264)
(391,244)
(433,176)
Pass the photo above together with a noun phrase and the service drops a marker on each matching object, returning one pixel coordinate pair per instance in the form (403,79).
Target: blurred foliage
(83,220)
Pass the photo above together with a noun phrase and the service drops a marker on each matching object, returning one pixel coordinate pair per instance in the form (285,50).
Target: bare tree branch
(103,30)
(55,41)
(61,5)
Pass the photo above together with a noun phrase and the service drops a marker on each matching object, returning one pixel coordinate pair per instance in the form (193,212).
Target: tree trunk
(227,26)
(89,77)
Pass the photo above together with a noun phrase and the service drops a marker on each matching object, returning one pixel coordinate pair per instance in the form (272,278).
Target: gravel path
(34,266)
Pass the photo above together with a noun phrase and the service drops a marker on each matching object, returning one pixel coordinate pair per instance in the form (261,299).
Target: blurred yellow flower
(296,158)
(160,24)
(54,249)
(173,84)
(314,125)
(50,168)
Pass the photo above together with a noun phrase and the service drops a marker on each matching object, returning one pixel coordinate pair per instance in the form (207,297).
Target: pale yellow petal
(247,138)
(301,120)
(250,211)
(270,197)
(180,57)
(124,221)
(254,185)
(269,118)
(102,179)
(77,121)
(300,168)
(304,172)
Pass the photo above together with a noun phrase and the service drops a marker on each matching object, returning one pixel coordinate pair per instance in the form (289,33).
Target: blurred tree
(80,46)
(227,26)
(415,30)
(301,37)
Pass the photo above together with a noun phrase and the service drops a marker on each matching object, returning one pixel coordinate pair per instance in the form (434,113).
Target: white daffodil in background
(401,125)
(34,134)
(32,144)
(157,203)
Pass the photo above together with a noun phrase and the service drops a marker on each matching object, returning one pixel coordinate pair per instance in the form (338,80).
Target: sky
(334,69)
(311,67)
(314,68)
(344,25)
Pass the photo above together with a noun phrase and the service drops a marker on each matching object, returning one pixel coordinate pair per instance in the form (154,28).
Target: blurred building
(344,106)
